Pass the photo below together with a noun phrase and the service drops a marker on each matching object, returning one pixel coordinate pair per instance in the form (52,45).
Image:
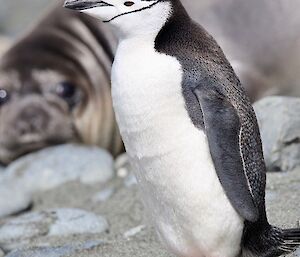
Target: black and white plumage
(190,132)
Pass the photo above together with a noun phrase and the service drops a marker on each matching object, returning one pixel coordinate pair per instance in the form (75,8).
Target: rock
(50,168)
(13,198)
(279,123)
(103,195)
(124,170)
(122,165)
(1,253)
(60,251)
(22,231)
(134,231)
(72,222)
(130,180)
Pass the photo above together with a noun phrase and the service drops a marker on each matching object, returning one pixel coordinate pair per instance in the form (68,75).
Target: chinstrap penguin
(190,132)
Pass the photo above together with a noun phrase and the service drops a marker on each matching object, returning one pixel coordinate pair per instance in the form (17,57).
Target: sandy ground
(124,212)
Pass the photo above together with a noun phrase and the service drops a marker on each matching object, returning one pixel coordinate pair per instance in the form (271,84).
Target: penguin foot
(271,242)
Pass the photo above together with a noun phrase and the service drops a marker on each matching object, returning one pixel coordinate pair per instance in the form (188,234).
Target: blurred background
(17,16)
(71,192)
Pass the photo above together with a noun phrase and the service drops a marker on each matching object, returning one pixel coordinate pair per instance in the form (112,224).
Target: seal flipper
(222,128)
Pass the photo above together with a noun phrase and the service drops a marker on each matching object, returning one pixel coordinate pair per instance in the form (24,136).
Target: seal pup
(190,132)
(55,86)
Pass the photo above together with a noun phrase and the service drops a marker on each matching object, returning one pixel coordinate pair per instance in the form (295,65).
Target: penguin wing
(223,129)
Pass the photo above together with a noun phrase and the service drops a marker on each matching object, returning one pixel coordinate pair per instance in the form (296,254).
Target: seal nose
(80,5)
(31,121)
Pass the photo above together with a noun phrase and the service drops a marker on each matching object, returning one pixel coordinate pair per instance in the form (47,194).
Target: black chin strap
(125,13)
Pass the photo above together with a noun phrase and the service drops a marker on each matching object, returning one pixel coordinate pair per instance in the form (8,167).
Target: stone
(72,222)
(134,231)
(279,122)
(130,180)
(103,195)
(124,170)
(13,198)
(50,168)
(59,251)
(24,230)
(122,165)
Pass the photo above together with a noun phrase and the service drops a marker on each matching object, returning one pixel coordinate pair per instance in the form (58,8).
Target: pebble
(74,221)
(279,122)
(122,166)
(59,251)
(134,231)
(104,195)
(23,230)
(50,168)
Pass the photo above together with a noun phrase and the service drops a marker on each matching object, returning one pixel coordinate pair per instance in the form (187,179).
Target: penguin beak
(80,5)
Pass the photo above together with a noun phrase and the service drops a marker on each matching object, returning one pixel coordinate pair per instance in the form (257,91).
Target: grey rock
(103,195)
(134,231)
(50,168)
(122,165)
(279,122)
(13,198)
(71,222)
(125,171)
(1,253)
(22,231)
(130,180)
(59,251)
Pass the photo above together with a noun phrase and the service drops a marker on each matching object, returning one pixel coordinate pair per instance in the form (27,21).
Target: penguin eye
(4,97)
(129,3)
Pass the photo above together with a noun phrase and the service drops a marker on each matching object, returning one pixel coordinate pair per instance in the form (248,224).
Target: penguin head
(127,16)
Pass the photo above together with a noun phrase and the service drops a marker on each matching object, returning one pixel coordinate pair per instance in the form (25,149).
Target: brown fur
(64,46)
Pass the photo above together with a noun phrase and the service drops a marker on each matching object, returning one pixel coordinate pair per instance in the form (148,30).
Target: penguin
(190,132)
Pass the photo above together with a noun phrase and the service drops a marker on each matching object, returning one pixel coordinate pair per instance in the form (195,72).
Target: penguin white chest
(170,155)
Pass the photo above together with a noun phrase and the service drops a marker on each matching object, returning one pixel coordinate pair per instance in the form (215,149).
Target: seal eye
(4,96)
(129,3)
(65,90)
(68,91)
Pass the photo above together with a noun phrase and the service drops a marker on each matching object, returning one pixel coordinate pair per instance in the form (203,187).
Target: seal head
(55,86)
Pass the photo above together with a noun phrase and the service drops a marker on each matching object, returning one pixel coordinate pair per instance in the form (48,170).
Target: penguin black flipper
(223,129)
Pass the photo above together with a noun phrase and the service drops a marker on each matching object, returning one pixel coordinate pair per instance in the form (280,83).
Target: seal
(190,132)
(55,86)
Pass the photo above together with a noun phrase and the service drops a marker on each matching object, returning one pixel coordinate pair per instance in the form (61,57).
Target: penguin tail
(270,242)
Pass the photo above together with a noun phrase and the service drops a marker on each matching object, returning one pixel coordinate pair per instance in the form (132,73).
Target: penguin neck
(176,28)
(146,25)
